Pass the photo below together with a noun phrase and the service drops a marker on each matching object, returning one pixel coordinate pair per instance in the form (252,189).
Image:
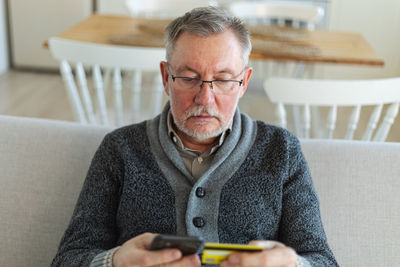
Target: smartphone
(186,244)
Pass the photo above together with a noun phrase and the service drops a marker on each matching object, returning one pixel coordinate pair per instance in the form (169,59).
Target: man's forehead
(215,53)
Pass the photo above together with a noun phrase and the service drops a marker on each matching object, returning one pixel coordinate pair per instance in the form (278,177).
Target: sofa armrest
(43,164)
(358,184)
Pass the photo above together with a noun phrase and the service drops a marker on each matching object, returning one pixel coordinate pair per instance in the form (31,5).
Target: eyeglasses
(220,87)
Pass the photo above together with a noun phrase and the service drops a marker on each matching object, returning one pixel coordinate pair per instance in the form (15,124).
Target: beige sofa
(43,164)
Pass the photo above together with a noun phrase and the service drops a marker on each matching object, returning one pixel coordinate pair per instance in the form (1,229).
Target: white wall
(33,22)
(112,7)
(3,39)
(379,23)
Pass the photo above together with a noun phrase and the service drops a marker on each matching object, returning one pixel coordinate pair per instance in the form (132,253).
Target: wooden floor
(42,95)
(31,94)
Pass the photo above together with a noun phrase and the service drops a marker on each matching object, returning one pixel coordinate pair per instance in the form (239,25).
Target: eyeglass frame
(205,81)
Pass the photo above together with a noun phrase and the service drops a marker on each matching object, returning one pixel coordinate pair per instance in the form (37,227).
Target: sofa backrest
(43,164)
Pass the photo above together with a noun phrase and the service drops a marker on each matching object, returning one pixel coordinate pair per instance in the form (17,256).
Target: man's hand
(274,254)
(134,252)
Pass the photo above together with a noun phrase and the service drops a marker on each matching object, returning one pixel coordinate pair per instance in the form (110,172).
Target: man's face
(202,113)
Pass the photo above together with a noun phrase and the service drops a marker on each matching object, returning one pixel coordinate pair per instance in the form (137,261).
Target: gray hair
(205,21)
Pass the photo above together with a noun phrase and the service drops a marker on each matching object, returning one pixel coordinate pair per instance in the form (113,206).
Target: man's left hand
(274,254)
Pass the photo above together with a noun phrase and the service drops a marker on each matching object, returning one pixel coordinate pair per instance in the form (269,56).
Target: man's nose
(205,94)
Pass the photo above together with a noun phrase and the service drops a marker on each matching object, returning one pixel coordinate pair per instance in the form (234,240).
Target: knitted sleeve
(92,229)
(104,259)
(301,225)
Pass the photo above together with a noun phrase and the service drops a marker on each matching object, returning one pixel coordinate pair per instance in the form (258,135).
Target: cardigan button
(200,192)
(199,222)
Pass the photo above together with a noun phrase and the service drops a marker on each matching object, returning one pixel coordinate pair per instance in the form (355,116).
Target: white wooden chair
(289,14)
(164,9)
(281,13)
(334,94)
(127,64)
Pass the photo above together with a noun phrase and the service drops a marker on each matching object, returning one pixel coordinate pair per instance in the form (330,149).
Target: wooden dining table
(269,42)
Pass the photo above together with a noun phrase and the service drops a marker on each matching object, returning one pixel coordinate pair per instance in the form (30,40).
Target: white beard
(198,110)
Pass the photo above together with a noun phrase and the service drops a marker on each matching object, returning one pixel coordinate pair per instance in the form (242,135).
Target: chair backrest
(164,9)
(294,14)
(332,94)
(280,13)
(120,66)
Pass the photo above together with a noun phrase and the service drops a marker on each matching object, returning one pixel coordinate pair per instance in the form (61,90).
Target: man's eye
(221,81)
(188,79)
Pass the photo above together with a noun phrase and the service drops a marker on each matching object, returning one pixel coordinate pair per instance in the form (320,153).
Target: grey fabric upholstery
(358,184)
(43,164)
(42,167)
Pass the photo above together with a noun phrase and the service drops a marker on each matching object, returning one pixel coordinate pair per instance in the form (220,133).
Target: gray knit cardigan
(258,188)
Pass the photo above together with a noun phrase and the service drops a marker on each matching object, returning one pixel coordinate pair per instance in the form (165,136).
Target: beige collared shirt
(195,161)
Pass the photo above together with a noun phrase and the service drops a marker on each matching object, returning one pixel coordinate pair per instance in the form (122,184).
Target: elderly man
(200,168)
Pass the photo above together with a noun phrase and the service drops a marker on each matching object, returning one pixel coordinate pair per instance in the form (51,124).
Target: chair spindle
(281,115)
(388,120)
(82,82)
(373,121)
(101,100)
(353,121)
(306,121)
(118,105)
(157,95)
(136,89)
(73,94)
(331,121)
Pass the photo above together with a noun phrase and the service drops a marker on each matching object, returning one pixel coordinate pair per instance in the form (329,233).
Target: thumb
(266,244)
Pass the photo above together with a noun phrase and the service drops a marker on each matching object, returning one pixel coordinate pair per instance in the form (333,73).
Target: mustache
(198,110)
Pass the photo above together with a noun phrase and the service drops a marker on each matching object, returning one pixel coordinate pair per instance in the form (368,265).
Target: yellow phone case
(215,253)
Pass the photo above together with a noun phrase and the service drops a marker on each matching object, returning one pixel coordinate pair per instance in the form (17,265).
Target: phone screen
(186,244)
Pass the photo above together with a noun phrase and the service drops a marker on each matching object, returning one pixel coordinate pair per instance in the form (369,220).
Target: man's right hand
(134,252)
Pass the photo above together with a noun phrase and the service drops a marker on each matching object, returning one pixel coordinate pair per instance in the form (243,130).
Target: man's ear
(164,75)
(246,80)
